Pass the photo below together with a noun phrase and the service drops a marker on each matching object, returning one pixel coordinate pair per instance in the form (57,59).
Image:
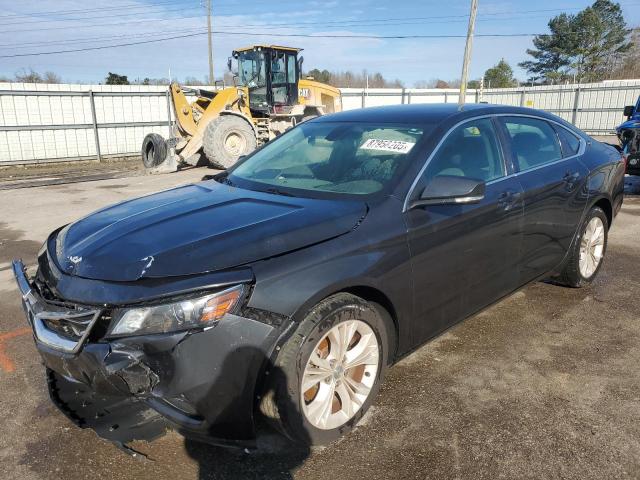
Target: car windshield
(345,158)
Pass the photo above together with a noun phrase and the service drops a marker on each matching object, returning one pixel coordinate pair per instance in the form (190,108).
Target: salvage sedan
(286,286)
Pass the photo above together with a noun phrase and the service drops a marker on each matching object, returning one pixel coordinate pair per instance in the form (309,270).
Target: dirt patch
(57,168)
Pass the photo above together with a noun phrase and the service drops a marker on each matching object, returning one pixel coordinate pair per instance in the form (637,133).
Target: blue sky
(410,60)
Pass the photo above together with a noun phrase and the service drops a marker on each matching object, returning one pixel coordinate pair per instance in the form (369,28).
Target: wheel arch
(605,204)
(367,292)
(240,115)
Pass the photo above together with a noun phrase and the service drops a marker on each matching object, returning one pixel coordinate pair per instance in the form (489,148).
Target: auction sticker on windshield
(397,146)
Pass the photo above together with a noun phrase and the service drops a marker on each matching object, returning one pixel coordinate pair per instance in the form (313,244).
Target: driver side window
(471,150)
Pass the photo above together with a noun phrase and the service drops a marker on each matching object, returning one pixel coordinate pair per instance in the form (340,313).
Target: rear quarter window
(569,142)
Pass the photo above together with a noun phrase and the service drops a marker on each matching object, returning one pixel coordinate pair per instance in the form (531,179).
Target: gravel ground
(544,384)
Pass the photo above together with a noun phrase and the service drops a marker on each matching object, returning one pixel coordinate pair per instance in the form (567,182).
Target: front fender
(369,257)
(241,115)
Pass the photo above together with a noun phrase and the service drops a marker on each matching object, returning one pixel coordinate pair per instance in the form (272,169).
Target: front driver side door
(464,257)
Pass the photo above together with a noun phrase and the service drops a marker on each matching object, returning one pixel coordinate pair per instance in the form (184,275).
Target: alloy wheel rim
(591,247)
(339,374)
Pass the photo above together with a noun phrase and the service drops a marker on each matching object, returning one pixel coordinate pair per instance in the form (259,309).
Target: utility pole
(212,79)
(467,53)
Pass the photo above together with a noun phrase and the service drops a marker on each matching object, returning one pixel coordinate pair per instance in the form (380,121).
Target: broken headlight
(179,315)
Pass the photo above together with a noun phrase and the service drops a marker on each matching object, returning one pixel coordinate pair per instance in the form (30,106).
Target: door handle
(508,199)
(570,179)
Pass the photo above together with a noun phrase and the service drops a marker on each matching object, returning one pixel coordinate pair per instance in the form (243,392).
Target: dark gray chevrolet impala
(287,285)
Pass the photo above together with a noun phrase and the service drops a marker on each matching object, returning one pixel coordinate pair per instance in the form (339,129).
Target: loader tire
(154,150)
(226,138)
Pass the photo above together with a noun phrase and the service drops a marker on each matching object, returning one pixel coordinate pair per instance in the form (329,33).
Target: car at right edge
(287,285)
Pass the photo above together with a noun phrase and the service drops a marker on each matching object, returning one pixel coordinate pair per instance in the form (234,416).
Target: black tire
(215,143)
(571,275)
(154,150)
(283,402)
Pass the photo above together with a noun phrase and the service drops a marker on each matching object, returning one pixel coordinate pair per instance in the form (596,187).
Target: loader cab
(270,75)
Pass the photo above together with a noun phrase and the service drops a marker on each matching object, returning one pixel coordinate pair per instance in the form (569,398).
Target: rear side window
(534,142)
(568,141)
(471,150)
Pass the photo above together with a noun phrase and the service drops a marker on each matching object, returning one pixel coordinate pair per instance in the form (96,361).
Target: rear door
(465,256)
(552,178)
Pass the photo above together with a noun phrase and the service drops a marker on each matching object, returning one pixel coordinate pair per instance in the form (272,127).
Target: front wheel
(226,138)
(329,372)
(587,254)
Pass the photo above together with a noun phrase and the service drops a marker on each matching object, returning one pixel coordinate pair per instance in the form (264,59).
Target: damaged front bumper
(629,136)
(202,383)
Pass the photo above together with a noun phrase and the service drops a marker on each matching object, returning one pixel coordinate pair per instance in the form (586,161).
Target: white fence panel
(56,122)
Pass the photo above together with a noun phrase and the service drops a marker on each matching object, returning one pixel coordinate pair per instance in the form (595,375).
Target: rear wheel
(587,254)
(329,372)
(226,138)
(154,150)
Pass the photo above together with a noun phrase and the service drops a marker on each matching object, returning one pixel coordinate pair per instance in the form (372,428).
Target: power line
(82,19)
(345,23)
(252,34)
(145,6)
(415,21)
(111,24)
(138,35)
(330,24)
(102,37)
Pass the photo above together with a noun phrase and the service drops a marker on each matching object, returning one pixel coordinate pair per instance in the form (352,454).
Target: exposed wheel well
(605,205)
(371,294)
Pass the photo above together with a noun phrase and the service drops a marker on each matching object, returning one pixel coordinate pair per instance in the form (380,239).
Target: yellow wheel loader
(220,126)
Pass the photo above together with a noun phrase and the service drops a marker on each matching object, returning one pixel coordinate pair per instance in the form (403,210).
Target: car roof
(429,113)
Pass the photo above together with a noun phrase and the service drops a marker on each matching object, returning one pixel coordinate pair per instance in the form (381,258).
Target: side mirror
(629,110)
(300,62)
(451,190)
(229,63)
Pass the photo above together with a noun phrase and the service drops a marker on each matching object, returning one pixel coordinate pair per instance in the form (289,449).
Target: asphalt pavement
(543,385)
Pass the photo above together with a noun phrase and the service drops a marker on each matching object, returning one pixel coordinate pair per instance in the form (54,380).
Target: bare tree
(51,77)
(30,76)
(349,79)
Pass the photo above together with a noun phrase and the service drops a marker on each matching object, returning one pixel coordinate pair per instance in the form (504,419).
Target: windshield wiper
(276,191)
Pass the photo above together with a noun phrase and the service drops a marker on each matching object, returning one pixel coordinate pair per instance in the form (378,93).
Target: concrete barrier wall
(49,122)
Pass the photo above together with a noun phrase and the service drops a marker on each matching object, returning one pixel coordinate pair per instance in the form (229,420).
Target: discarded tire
(154,150)
(227,138)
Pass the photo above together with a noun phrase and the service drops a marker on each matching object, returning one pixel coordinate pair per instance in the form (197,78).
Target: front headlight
(180,315)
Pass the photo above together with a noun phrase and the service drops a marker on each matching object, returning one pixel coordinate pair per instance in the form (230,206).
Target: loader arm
(185,122)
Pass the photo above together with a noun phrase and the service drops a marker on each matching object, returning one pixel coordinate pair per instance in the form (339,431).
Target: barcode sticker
(397,146)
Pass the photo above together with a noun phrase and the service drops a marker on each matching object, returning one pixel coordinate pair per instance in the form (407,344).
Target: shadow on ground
(276,457)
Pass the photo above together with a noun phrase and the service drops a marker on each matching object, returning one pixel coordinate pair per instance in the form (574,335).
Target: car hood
(196,229)
(631,123)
